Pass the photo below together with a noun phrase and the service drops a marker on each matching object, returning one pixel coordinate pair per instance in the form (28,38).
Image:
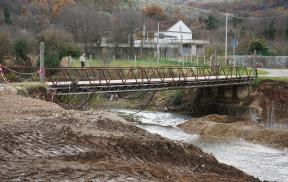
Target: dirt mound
(247,130)
(220,118)
(41,141)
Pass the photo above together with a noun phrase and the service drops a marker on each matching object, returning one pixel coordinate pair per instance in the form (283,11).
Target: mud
(271,98)
(41,141)
(229,127)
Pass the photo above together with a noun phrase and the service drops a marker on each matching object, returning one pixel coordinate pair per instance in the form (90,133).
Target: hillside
(186,7)
(248,6)
(53,6)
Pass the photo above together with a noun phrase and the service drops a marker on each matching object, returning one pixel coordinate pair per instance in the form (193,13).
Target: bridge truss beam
(67,81)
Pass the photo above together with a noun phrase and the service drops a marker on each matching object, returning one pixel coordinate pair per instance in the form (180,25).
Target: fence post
(135,60)
(191,58)
(254,66)
(42,68)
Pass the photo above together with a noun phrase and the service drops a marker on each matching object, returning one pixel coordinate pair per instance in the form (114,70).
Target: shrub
(70,49)
(52,59)
(20,47)
(7,16)
(259,46)
(58,44)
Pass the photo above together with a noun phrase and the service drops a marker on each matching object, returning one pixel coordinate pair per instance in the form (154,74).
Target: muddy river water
(260,161)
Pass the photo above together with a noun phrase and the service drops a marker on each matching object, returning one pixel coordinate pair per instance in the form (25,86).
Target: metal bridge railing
(138,75)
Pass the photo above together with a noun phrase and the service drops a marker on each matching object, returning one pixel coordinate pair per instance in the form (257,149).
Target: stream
(263,162)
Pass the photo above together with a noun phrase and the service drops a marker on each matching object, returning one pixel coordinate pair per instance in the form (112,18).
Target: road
(274,72)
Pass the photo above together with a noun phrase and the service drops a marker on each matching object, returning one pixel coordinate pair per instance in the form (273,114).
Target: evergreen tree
(211,22)
(270,30)
(7,16)
(21,48)
(286,31)
(259,46)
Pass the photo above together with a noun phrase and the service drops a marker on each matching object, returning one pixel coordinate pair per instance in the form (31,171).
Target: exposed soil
(229,127)
(41,141)
(272,98)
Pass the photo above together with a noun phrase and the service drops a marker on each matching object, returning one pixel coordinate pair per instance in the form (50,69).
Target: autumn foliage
(153,12)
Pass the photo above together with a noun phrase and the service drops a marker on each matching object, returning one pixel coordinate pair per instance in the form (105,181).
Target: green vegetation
(7,16)
(70,49)
(286,31)
(58,44)
(26,85)
(211,22)
(259,46)
(256,83)
(261,72)
(148,62)
(20,47)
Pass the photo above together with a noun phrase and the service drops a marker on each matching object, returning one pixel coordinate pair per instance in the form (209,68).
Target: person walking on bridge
(83,60)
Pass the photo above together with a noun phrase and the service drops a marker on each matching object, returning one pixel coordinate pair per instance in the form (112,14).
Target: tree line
(64,27)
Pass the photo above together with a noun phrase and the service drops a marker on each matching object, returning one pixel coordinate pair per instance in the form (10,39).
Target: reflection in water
(263,162)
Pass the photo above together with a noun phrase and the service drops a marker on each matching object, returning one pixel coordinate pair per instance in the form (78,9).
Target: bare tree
(33,18)
(125,24)
(86,23)
(5,45)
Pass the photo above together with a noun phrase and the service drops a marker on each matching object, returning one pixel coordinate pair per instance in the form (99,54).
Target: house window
(186,46)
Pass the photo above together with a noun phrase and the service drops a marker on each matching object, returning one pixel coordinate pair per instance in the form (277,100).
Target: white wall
(186,33)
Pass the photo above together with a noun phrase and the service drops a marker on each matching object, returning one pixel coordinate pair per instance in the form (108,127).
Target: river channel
(263,162)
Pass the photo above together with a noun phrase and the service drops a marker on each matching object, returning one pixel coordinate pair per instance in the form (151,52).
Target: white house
(178,36)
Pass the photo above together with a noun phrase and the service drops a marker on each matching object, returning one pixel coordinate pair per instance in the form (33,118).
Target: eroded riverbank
(260,161)
(42,141)
(228,127)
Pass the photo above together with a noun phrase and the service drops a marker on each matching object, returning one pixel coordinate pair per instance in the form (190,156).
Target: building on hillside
(176,39)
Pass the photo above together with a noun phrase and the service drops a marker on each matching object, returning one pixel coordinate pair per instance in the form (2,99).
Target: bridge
(67,81)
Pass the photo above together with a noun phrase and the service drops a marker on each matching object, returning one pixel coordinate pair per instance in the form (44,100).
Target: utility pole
(226,40)
(182,51)
(42,68)
(143,39)
(234,56)
(144,33)
(158,47)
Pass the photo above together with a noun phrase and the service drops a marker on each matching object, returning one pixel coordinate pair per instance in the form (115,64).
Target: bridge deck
(139,81)
(108,80)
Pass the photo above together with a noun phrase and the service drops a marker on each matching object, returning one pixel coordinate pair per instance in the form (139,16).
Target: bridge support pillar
(234,92)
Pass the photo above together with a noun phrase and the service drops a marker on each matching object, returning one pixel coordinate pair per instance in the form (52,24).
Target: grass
(262,72)
(26,85)
(150,62)
(147,62)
